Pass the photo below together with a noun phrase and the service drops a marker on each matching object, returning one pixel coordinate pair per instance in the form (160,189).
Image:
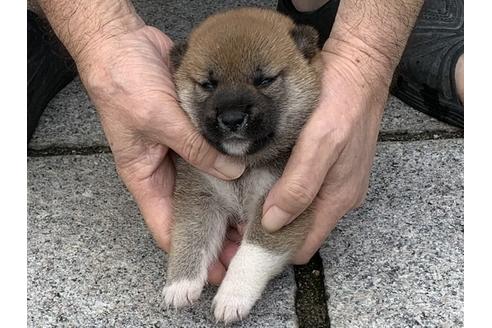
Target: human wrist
(83,25)
(355,75)
(363,66)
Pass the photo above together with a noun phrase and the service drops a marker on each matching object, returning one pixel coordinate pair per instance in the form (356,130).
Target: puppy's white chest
(243,195)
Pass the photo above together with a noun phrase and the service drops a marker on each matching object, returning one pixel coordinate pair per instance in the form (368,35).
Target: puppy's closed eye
(208,85)
(263,82)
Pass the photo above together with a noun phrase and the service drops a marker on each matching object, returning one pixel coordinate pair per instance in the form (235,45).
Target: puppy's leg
(197,238)
(261,256)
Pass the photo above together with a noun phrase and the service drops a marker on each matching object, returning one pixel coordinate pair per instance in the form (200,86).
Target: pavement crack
(311,299)
(420,135)
(62,151)
(383,137)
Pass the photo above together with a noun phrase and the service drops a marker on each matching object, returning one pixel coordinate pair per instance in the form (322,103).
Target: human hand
(128,78)
(331,161)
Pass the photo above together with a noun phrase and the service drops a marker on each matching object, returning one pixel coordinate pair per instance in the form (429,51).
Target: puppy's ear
(306,39)
(177,53)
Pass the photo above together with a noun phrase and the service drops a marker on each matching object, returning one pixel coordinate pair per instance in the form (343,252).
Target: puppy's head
(248,79)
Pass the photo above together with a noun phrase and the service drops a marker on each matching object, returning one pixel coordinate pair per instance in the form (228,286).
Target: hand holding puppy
(129,81)
(331,161)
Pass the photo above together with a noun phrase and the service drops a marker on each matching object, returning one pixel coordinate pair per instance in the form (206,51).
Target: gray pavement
(396,262)
(92,263)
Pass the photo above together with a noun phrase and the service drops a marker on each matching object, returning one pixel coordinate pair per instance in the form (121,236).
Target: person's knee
(308,5)
(459,76)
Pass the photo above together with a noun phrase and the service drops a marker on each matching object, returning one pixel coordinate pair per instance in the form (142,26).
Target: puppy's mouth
(235,137)
(236,146)
(241,146)
(261,143)
(250,139)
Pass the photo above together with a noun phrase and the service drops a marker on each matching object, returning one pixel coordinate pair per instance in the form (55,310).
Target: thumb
(303,176)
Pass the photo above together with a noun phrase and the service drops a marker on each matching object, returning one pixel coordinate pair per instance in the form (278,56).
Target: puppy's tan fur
(233,45)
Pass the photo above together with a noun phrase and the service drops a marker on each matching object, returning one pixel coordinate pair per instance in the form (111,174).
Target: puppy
(248,79)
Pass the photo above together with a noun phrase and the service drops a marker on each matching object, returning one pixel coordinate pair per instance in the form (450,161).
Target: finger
(312,157)
(314,241)
(153,194)
(157,213)
(216,273)
(326,216)
(177,132)
(228,251)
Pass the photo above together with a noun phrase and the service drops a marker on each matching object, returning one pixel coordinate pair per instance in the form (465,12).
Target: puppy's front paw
(182,293)
(233,303)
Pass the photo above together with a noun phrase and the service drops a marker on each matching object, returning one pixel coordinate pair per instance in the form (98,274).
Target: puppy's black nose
(232,120)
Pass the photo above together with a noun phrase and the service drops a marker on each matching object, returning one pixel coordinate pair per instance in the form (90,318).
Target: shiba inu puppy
(248,79)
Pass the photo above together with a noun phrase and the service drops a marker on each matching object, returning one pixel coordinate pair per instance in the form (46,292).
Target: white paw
(182,293)
(233,304)
(249,272)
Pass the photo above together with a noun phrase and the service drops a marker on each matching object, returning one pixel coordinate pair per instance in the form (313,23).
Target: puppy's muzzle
(233,110)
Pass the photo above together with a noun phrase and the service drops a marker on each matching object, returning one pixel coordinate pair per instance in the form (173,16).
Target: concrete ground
(395,262)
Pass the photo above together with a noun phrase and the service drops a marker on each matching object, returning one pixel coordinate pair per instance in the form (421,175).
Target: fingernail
(229,167)
(275,218)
